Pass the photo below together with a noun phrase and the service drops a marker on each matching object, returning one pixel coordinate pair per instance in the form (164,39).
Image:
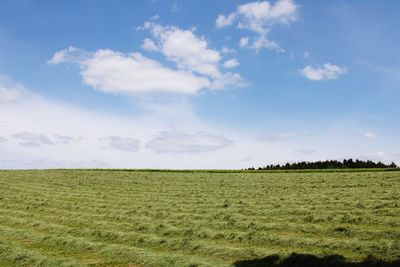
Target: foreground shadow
(308,260)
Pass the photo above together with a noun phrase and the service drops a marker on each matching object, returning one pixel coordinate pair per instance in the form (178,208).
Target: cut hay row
(124,218)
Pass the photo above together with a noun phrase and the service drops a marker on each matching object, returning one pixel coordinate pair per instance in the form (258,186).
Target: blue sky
(197,84)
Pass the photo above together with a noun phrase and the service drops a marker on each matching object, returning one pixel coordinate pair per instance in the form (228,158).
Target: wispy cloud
(32,139)
(388,72)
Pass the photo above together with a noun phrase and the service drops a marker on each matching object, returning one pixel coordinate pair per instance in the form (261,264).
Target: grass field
(141,218)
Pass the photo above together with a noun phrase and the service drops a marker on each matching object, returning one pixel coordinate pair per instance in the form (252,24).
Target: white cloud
(177,142)
(32,139)
(115,72)
(150,45)
(187,50)
(231,63)
(2,139)
(259,17)
(256,16)
(369,135)
(127,144)
(228,80)
(197,65)
(70,54)
(264,42)
(227,50)
(223,21)
(326,72)
(244,41)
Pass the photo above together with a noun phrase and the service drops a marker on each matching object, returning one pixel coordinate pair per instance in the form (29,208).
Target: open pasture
(142,218)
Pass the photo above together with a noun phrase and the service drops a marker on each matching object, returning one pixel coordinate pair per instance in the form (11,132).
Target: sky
(197,84)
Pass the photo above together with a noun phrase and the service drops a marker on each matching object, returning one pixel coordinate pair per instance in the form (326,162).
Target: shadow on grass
(308,260)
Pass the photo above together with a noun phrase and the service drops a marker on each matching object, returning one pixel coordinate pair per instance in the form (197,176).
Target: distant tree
(328,164)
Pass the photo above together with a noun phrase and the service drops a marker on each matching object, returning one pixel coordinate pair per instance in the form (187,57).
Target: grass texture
(144,218)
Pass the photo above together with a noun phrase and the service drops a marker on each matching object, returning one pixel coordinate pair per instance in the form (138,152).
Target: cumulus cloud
(32,139)
(326,72)
(197,65)
(193,53)
(127,144)
(263,137)
(231,63)
(259,17)
(256,16)
(114,72)
(183,47)
(177,142)
(369,135)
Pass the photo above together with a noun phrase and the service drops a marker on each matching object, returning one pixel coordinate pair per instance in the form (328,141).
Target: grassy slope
(142,218)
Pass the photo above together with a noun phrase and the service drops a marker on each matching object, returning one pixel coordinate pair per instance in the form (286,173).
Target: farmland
(144,218)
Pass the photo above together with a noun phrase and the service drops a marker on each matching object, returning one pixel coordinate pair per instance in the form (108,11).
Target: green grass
(214,218)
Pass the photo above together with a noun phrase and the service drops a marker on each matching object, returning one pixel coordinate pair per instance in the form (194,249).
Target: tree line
(329,164)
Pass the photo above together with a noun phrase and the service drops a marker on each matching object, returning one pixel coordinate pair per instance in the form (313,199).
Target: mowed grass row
(123,218)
